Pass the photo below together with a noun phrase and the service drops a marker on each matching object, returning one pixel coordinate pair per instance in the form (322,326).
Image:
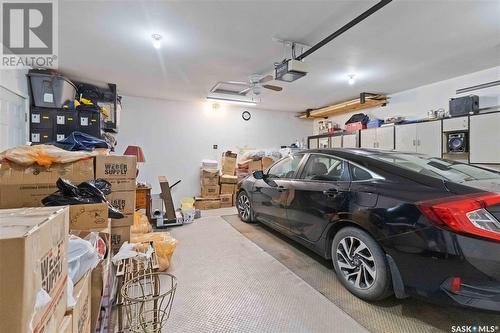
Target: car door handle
(331,192)
(281,188)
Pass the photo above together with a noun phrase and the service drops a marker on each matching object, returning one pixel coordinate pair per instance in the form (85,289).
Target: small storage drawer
(41,135)
(65,123)
(89,122)
(41,117)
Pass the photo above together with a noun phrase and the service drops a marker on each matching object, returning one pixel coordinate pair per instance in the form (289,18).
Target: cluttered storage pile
(56,268)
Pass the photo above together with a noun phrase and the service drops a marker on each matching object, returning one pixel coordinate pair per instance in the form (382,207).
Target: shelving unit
(482,135)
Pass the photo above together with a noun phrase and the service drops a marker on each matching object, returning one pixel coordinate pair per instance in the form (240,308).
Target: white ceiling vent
(231,88)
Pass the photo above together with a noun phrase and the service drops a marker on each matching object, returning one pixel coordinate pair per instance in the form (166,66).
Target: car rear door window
(326,168)
(286,168)
(359,174)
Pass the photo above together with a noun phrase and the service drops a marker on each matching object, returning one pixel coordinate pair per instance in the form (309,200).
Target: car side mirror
(259,174)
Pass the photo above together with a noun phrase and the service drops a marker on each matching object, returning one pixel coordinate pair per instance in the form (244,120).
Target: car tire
(361,265)
(244,207)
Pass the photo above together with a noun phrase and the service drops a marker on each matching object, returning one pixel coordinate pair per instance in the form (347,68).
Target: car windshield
(439,168)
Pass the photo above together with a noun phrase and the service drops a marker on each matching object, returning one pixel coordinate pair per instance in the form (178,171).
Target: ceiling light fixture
(156,40)
(351,79)
(232,101)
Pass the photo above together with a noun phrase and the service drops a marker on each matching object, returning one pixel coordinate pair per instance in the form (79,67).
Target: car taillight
(464,214)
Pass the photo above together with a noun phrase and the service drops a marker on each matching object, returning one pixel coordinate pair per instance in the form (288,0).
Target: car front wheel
(244,207)
(360,264)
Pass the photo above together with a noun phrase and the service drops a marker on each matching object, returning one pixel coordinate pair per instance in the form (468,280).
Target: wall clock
(246,115)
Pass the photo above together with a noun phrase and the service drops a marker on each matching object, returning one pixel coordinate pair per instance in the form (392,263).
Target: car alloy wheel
(244,208)
(356,262)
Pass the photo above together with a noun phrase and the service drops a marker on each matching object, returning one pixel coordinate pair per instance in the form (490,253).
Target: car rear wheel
(244,207)
(360,264)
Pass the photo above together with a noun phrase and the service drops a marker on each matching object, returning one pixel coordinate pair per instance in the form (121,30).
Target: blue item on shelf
(81,141)
(374,123)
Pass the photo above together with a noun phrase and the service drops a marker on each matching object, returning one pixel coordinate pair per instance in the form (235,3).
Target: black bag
(90,192)
(358,117)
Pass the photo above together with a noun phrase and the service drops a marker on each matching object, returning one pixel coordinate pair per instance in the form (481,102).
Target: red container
(354,126)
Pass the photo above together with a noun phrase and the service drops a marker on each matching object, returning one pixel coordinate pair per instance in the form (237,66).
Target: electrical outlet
(215,147)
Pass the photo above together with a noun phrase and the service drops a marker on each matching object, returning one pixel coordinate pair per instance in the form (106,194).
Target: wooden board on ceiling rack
(370,101)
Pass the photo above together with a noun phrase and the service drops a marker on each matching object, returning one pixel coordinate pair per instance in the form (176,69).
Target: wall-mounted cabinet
(336,141)
(378,138)
(484,136)
(350,140)
(424,138)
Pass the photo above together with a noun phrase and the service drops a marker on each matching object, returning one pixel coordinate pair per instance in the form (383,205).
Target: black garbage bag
(90,192)
(81,141)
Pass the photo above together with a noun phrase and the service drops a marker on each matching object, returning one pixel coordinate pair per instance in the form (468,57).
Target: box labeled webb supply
(228,179)
(227,188)
(204,203)
(26,186)
(33,244)
(226,200)
(120,171)
(124,201)
(119,235)
(209,176)
(210,191)
(91,217)
(228,165)
(81,310)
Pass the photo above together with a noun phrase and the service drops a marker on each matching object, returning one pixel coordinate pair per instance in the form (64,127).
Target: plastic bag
(81,141)
(129,250)
(86,193)
(163,243)
(82,257)
(141,224)
(45,155)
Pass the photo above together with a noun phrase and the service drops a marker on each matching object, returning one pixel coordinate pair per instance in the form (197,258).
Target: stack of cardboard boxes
(209,199)
(121,172)
(218,187)
(249,166)
(228,180)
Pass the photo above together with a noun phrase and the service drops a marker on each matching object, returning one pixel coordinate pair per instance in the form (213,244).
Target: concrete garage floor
(392,315)
(237,277)
(226,283)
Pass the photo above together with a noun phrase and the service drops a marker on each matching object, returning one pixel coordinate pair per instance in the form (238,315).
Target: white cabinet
(428,138)
(379,138)
(456,124)
(406,137)
(424,138)
(313,143)
(484,136)
(336,141)
(350,140)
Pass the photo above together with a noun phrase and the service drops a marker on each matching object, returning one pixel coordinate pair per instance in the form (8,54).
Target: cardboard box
(254,166)
(228,163)
(33,244)
(209,176)
(226,200)
(81,311)
(120,171)
(124,201)
(227,188)
(266,162)
(210,191)
(210,181)
(91,217)
(228,179)
(204,203)
(124,222)
(66,326)
(22,186)
(118,236)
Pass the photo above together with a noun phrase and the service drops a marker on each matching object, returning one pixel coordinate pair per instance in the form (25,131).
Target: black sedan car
(391,222)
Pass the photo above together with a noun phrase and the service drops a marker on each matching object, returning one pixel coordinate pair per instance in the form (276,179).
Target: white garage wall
(415,103)
(175,136)
(13,108)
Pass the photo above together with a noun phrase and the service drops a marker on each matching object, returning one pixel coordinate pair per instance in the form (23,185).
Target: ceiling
(404,45)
